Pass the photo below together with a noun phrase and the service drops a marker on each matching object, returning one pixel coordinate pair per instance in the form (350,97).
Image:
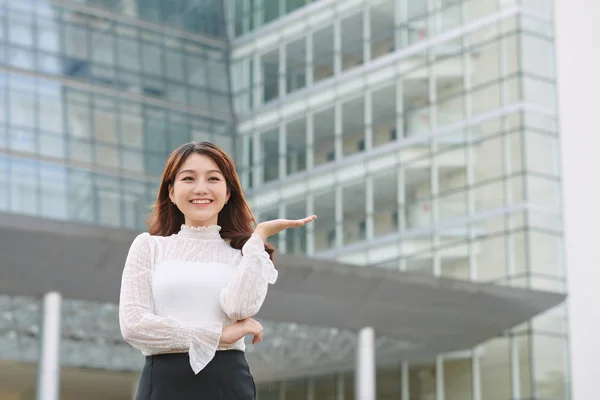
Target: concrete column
(578,62)
(48,379)
(365,365)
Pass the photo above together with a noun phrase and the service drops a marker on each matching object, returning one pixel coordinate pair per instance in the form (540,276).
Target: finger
(257,337)
(303,221)
(309,219)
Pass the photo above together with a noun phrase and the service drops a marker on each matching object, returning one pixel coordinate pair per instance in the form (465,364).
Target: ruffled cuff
(255,247)
(204,345)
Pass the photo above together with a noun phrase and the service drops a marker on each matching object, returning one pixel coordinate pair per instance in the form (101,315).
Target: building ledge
(429,315)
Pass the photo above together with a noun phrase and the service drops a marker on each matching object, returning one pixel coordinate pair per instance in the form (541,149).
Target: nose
(200,188)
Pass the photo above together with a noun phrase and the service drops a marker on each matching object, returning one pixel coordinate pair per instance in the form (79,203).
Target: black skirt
(170,377)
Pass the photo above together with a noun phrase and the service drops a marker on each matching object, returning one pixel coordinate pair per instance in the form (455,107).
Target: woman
(193,282)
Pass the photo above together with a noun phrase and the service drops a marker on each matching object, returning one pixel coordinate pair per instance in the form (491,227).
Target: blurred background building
(423,133)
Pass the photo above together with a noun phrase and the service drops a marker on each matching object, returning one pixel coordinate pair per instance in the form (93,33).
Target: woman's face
(199,190)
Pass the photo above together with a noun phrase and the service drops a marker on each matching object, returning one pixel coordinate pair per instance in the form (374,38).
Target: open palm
(270,228)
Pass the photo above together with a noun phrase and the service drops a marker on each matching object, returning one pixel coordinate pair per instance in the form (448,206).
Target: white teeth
(200,201)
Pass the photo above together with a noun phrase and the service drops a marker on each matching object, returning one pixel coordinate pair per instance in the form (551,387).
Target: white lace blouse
(178,292)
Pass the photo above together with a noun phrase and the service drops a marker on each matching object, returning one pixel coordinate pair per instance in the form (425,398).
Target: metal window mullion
(282,8)
(368,122)
(257,14)
(309,68)
(282,235)
(258,82)
(282,131)
(310,140)
(399,107)
(470,150)
(400,29)
(37,137)
(118,116)
(369,209)
(246,86)
(246,167)
(337,47)
(366,33)
(400,169)
(282,82)
(230,19)
(401,211)
(338,116)
(506,171)
(509,249)
(257,160)
(339,216)
(96,188)
(310,228)
(121,159)
(434,178)
(438,10)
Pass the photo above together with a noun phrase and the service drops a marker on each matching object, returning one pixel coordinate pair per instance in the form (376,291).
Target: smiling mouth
(201,202)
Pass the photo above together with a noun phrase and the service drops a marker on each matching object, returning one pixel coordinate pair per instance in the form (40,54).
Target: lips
(201,202)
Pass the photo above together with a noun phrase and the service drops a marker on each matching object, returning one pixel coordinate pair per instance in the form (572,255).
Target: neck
(210,232)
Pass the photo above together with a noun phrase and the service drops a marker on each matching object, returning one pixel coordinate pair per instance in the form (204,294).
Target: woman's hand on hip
(239,329)
(270,228)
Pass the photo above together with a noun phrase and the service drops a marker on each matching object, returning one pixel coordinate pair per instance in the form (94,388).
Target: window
(361,145)
(362,229)
(331,238)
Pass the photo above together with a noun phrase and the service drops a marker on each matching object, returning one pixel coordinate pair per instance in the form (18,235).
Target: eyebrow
(193,172)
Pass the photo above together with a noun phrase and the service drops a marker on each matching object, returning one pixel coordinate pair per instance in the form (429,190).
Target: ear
(228,195)
(171,194)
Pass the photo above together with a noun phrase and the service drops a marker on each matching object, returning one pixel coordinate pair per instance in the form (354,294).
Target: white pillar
(365,365)
(48,385)
(578,65)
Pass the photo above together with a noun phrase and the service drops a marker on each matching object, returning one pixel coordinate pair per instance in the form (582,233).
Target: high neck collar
(210,232)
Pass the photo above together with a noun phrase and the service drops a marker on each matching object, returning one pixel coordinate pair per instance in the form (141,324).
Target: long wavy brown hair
(235,219)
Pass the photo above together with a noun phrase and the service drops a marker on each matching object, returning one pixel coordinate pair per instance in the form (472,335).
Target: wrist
(227,336)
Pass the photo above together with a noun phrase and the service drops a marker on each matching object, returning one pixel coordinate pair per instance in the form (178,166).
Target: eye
(213,178)
(186,178)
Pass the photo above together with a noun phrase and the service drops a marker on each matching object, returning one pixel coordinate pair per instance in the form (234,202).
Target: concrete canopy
(432,315)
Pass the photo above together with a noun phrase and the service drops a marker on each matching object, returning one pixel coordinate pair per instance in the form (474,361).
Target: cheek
(179,191)
(223,192)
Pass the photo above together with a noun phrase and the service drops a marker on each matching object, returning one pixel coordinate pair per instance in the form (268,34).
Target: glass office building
(93,101)
(422,133)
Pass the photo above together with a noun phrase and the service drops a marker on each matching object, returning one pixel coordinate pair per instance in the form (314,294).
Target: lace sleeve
(246,291)
(148,332)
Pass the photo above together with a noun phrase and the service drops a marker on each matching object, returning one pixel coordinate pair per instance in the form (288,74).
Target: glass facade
(200,17)
(91,107)
(422,133)
(247,16)
(424,136)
